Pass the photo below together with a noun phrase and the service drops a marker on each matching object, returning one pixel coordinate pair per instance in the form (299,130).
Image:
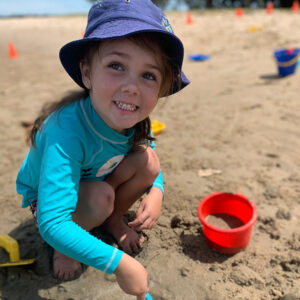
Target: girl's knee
(142,163)
(147,163)
(96,199)
(153,164)
(105,197)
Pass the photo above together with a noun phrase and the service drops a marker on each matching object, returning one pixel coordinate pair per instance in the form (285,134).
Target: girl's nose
(131,86)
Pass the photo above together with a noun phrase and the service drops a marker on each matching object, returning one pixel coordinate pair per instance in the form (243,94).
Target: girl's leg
(95,204)
(110,200)
(131,179)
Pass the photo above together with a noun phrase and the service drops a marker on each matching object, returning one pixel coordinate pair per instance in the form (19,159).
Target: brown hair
(142,130)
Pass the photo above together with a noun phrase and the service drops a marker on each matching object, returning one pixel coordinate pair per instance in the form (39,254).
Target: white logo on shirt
(110,165)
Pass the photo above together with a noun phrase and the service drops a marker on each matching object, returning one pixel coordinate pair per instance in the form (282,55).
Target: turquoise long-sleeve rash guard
(73,145)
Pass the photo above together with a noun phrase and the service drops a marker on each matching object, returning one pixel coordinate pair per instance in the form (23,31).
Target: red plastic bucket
(226,240)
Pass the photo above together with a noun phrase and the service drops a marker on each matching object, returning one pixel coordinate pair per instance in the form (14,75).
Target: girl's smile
(124,80)
(126,107)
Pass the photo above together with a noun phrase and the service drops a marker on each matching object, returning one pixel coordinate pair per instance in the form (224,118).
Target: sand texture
(237,119)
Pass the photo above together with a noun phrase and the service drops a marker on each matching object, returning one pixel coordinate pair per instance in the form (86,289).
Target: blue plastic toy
(198,57)
(148,296)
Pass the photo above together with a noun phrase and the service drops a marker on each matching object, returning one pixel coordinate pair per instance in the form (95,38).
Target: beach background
(237,117)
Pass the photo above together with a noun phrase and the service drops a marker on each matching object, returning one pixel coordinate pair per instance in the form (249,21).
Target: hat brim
(72,53)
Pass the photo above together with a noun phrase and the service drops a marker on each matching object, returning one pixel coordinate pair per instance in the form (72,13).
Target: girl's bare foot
(128,239)
(65,268)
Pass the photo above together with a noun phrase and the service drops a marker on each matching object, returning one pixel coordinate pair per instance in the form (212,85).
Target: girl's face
(124,82)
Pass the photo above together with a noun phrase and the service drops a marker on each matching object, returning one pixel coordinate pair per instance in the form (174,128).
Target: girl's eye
(115,66)
(149,76)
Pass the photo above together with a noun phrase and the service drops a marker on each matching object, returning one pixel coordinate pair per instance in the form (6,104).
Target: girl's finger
(139,220)
(145,225)
(140,209)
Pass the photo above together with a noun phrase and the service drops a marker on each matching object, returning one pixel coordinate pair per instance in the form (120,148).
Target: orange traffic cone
(269,8)
(12,51)
(239,12)
(189,20)
(295,6)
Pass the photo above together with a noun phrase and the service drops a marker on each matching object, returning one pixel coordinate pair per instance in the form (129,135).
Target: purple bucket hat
(109,19)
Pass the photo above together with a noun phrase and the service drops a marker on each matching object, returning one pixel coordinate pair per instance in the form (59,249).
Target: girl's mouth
(126,106)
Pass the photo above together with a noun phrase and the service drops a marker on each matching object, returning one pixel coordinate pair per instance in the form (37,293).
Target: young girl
(90,158)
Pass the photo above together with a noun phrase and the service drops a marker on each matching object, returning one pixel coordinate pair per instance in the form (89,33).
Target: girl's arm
(158,182)
(132,277)
(149,210)
(57,199)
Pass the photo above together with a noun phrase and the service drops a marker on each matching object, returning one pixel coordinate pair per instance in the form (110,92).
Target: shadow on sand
(25,282)
(195,247)
(27,279)
(271,76)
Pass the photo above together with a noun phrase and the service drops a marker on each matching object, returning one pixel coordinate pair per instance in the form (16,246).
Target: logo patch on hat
(166,24)
(99,5)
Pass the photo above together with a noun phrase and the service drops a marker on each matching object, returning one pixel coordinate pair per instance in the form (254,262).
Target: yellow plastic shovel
(11,246)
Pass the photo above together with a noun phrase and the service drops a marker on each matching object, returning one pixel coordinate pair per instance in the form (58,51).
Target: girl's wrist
(156,192)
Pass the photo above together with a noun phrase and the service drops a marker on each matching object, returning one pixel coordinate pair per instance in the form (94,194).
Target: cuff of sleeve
(160,186)
(114,261)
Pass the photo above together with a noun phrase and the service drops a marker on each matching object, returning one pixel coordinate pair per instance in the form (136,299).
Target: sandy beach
(237,117)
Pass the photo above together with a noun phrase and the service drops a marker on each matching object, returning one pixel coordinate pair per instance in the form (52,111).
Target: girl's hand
(149,211)
(132,277)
